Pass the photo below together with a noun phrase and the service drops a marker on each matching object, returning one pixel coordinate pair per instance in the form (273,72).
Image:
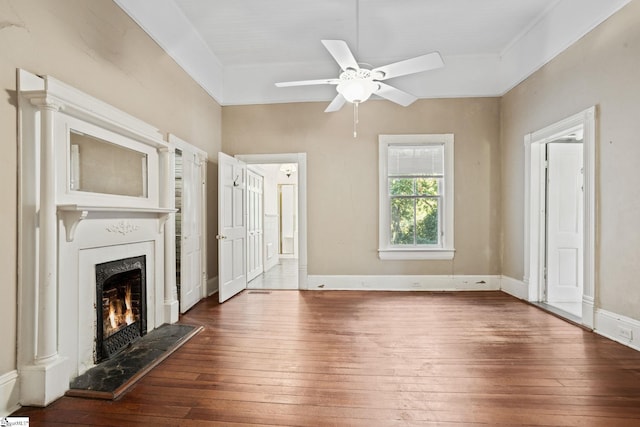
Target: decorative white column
(46,376)
(48,268)
(167,200)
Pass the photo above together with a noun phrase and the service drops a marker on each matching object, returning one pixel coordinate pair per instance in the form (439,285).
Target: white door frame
(301,160)
(534,232)
(201,158)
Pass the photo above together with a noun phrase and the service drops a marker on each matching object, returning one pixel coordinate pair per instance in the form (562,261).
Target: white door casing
(192,235)
(534,202)
(564,222)
(255,232)
(193,221)
(232,226)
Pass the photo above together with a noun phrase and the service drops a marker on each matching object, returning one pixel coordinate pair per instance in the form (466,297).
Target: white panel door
(255,233)
(192,231)
(564,222)
(232,226)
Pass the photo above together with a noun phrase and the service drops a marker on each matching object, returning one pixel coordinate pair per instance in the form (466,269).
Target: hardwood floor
(320,358)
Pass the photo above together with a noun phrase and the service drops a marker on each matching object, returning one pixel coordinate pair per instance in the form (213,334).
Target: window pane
(428,186)
(402,221)
(401,186)
(427,221)
(416,159)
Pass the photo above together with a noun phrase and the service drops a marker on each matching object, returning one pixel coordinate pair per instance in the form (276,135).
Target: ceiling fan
(356,84)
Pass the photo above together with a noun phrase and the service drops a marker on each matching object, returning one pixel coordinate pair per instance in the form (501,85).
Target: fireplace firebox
(121,305)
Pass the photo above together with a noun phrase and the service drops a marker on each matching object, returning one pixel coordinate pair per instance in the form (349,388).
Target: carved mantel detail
(122,227)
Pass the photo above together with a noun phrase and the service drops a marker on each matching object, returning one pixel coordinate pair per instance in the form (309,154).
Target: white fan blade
(395,95)
(341,53)
(336,104)
(309,82)
(418,64)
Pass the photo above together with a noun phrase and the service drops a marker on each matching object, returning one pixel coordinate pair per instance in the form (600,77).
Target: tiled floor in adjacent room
(282,276)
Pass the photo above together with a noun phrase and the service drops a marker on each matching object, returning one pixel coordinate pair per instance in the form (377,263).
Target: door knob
(220,236)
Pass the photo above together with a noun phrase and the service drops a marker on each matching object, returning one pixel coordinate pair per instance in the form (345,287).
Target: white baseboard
(171,311)
(9,393)
(212,285)
(404,283)
(588,312)
(514,287)
(622,329)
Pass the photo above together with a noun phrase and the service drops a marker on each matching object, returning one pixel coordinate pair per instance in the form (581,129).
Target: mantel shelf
(72,215)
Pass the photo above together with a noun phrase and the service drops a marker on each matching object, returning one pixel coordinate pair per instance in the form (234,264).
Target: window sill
(416,254)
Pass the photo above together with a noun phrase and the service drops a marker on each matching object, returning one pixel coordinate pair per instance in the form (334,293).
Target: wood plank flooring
(321,358)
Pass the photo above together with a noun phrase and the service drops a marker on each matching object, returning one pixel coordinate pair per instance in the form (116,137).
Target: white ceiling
(237,49)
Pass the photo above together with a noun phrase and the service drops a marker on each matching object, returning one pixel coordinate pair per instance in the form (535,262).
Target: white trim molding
(212,286)
(548,36)
(467,75)
(180,40)
(514,287)
(534,205)
(444,250)
(416,254)
(588,311)
(9,393)
(619,328)
(404,283)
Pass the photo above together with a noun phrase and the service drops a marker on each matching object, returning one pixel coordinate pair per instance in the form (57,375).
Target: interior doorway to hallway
(272,233)
(284,216)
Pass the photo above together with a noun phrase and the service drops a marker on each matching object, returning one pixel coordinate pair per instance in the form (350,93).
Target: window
(416,197)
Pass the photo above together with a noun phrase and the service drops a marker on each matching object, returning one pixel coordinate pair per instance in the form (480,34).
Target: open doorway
(560,217)
(232,216)
(272,226)
(284,254)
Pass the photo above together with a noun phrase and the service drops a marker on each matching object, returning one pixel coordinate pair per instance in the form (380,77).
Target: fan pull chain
(355,119)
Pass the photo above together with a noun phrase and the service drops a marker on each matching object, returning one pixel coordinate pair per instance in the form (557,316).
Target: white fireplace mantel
(72,215)
(64,231)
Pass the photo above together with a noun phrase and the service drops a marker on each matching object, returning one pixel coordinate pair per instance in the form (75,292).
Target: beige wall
(602,69)
(95,47)
(343,176)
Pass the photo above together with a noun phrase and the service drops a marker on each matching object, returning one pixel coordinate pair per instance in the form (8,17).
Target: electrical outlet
(625,333)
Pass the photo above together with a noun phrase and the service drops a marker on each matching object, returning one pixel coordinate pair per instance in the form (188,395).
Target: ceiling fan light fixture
(288,169)
(356,84)
(357,90)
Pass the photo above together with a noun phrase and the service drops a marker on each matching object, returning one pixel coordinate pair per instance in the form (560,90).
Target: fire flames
(121,312)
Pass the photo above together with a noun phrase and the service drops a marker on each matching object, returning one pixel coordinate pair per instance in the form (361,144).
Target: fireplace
(71,309)
(121,305)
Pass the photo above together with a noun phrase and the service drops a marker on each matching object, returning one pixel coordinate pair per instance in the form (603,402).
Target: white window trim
(387,252)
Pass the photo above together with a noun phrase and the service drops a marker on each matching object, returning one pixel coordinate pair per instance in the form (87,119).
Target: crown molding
(557,28)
